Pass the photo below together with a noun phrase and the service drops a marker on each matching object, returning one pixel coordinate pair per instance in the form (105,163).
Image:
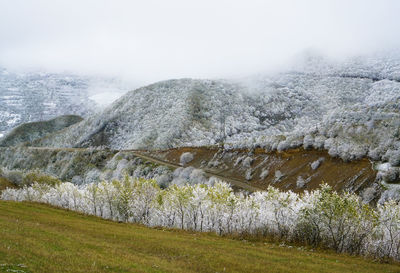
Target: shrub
(41,179)
(300,182)
(321,218)
(246,163)
(317,163)
(264,173)
(186,158)
(340,222)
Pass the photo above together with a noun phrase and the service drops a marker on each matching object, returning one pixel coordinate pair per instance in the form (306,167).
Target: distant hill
(30,131)
(349,108)
(35,96)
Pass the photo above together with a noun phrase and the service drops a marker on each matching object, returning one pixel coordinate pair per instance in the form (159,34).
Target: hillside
(28,132)
(38,238)
(294,170)
(349,109)
(36,96)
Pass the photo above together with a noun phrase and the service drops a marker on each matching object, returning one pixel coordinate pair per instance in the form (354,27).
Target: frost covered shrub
(314,165)
(198,176)
(239,160)
(163,180)
(283,145)
(264,173)
(42,179)
(308,142)
(278,175)
(323,217)
(391,176)
(394,158)
(369,194)
(249,174)
(375,154)
(388,245)
(300,182)
(279,211)
(189,175)
(92,176)
(213,164)
(319,142)
(186,158)
(246,163)
(339,222)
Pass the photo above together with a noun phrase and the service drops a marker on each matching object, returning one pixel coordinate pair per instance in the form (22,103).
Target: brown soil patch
(352,176)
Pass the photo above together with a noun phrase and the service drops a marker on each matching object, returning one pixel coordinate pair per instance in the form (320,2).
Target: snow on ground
(349,108)
(34,96)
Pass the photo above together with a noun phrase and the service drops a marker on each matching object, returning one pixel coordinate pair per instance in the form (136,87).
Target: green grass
(39,238)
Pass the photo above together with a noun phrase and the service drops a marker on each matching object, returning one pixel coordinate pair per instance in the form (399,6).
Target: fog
(146,41)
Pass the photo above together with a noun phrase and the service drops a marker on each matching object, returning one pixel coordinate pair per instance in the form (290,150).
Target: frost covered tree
(324,218)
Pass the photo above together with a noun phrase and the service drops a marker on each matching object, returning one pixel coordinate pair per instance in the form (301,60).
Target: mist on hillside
(143,42)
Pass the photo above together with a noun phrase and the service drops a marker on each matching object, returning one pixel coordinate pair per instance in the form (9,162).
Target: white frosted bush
(314,165)
(264,173)
(189,175)
(163,180)
(186,158)
(278,175)
(197,176)
(319,142)
(239,160)
(246,163)
(375,154)
(320,218)
(391,175)
(300,182)
(249,174)
(394,158)
(177,172)
(213,164)
(283,145)
(368,194)
(186,172)
(308,142)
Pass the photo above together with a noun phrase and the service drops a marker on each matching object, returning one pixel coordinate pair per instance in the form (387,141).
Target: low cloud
(146,41)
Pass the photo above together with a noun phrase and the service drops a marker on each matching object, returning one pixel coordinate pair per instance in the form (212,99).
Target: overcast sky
(150,40)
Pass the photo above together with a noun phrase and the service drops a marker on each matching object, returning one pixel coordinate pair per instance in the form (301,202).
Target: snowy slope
(350,108)
(28,97)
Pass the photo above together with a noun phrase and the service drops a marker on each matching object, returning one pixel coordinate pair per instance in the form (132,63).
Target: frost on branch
(321,218)
(186,158)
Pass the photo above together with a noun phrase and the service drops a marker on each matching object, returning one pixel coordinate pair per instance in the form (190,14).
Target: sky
(147,41)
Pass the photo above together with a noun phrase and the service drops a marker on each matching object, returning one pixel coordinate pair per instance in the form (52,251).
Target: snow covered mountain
(28,97)
(30,131)
(351,108)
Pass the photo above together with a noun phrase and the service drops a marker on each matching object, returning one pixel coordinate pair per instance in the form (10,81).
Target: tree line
(321,218)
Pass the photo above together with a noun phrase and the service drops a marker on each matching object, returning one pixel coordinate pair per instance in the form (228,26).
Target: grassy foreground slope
(39,238)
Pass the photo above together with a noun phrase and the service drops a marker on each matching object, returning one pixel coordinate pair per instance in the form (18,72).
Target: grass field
(39,238)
